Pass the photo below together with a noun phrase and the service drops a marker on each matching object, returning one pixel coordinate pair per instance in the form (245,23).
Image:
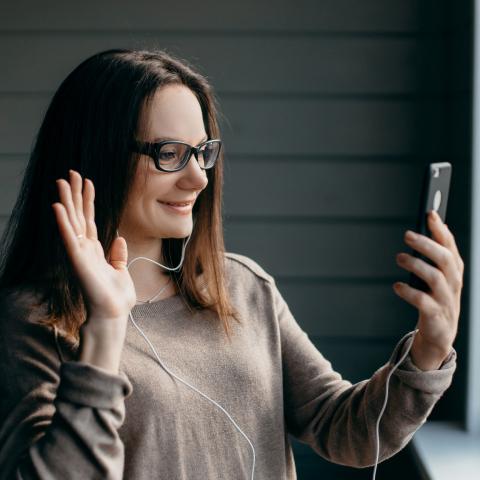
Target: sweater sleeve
(57,419)
(337,418)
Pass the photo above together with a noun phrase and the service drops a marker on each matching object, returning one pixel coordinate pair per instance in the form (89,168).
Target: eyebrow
(164,139)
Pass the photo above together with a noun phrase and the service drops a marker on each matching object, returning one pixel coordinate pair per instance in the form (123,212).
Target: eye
(168,155)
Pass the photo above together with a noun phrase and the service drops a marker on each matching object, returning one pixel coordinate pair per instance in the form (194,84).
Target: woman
(85,392)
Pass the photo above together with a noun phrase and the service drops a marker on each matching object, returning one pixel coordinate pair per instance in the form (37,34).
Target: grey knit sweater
(64,419)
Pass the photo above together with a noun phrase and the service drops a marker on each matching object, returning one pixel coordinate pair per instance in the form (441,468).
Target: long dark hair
(88,127)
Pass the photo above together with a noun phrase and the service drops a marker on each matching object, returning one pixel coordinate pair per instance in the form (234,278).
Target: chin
(182,230)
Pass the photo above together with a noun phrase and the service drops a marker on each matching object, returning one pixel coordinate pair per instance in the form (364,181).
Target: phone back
(434,196)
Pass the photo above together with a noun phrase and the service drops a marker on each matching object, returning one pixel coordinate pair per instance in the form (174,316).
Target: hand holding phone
(434,196)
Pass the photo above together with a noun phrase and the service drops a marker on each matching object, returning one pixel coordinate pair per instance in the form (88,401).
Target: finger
(118,254)
(89,209)
(65,195)
(442,257)
(421,300)
(442,234)
(458,257)
(67,233)
(431,275)
(77,197)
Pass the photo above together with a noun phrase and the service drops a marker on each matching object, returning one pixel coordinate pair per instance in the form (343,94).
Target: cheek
(141,210)
(150,185)
(157,188)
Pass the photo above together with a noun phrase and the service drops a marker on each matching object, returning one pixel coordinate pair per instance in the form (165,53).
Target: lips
(178,204)
(178,209)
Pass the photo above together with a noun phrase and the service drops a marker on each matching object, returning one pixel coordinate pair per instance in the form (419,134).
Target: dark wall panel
(306,15)
(270,63)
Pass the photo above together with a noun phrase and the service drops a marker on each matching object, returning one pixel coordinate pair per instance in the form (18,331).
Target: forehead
(175,112)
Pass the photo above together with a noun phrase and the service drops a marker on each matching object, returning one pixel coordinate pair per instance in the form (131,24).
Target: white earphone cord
(167,369)
(384,406)
(377,425)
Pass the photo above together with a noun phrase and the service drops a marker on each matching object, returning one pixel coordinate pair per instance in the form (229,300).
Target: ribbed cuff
(408,364)
(428,381)
(88,385)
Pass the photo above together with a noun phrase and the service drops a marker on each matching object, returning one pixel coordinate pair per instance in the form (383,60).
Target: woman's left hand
(439,310)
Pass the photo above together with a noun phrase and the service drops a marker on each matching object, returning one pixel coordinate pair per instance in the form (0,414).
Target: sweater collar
(166,306)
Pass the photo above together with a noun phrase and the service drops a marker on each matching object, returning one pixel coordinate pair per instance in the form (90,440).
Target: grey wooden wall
(331,108)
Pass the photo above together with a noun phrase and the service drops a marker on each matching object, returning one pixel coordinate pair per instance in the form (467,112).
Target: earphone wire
(384,406)
(167,369)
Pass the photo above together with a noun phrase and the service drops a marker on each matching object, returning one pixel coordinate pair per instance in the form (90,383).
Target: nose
(193,174)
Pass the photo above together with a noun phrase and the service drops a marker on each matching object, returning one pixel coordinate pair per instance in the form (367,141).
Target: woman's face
(174,114)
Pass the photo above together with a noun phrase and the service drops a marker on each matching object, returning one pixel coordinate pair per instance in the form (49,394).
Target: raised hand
(439,310)
(107,285)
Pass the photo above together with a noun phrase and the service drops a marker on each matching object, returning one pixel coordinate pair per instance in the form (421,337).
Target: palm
(106,284)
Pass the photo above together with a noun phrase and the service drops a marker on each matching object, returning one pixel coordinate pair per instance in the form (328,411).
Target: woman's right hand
(108,289)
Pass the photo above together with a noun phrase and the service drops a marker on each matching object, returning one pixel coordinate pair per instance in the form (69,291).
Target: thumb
(119,254)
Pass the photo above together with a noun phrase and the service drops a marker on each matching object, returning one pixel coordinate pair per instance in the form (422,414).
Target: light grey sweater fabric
(64,419)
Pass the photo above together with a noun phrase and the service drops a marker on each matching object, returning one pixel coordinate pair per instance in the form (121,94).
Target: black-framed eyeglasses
(173,155)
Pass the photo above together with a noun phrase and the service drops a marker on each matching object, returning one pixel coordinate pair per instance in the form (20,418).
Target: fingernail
(410,235)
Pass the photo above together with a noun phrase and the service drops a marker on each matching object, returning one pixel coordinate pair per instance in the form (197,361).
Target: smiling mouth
(182,210)
(179,204)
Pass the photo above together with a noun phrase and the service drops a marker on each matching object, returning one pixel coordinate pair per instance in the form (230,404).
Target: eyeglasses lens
(172,155)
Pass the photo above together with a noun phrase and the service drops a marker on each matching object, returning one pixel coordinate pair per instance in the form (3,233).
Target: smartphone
(434,196)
